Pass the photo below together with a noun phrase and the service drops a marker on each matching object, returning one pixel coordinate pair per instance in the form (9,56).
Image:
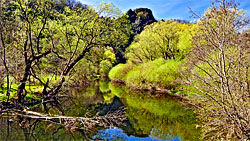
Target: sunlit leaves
(166,39)
(109,10)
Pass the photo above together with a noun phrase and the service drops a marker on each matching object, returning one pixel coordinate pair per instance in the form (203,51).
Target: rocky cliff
(139,18)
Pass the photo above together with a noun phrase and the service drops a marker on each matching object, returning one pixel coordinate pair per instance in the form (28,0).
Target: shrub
(219,73)
(105,67)
(158,73)
(163,75)
(120,71)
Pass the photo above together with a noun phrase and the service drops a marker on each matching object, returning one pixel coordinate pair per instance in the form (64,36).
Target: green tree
(45,41)
(7,27)
(218,72)
(164,39)
(107,63)
(84,34)
(24,40)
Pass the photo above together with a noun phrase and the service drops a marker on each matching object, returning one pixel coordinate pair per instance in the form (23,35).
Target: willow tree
(218,72)
(165,39)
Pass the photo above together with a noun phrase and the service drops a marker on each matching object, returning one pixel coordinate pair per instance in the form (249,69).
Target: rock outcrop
(139,18)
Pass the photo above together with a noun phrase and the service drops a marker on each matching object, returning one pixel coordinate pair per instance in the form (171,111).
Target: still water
(148,117)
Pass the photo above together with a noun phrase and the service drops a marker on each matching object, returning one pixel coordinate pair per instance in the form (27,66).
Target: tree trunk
(22,85)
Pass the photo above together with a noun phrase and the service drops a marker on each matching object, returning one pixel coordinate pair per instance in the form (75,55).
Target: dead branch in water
(112,119)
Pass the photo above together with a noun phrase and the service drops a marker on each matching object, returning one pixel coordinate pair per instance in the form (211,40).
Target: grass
(30,96)
(32,89)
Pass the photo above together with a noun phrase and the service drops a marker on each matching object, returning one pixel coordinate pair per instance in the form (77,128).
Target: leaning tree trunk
(22,84)
(70,65)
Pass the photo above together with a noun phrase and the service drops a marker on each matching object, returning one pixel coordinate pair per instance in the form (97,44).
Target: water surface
(149,117)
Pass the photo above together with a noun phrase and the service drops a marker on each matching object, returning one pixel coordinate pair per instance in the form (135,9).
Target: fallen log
(112,119)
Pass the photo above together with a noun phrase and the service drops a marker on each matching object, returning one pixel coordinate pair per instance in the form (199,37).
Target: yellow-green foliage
(31,89)
(120,71)
(105,67)
(158,73)
(104,86)
(161,47)
(52,78)
(107,63)
(163,39)
(108,54)
(13,90)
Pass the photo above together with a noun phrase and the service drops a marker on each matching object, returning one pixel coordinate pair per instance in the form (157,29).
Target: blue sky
(166,9)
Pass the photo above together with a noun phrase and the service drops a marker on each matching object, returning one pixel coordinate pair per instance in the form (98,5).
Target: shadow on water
(111,112)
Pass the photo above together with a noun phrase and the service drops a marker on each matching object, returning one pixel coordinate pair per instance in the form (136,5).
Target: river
(148,117)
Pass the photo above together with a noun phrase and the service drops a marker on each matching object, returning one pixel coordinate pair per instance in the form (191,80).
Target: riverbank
(155,92)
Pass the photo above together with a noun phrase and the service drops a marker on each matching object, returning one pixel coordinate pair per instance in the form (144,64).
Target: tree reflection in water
(118,114)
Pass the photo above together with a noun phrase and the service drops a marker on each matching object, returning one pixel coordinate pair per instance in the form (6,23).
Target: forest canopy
(164,39)
(42,42)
